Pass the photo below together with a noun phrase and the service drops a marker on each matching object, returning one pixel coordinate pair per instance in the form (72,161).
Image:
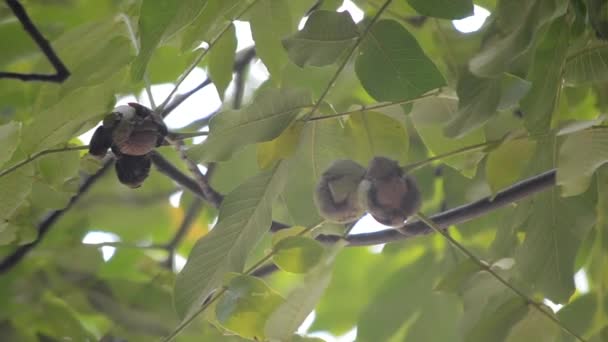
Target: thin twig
(429,223)
(374,107)
(45,226)
(61,72)
(40,154)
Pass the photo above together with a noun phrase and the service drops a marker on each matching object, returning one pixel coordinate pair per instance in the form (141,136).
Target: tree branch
(61,72)
(453,216)
(45,226)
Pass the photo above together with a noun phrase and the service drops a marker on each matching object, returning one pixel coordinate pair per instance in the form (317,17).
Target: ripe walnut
(387,193)
(336,193)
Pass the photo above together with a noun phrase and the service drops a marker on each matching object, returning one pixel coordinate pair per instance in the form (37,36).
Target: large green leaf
(16,187)
(406,307)
(286,319)
(517,25)
(538,106)
(10,134)
(428,115)
(554,231)
(246,305)
(480,99)
(375,134)
(495,325)
(446,9)
(392,66)
(574,169)
(323,40)
(506,163)
(221,60)
(271,112)
(297,254)
(270,23)
(154,18)
(245,216)
(587,66)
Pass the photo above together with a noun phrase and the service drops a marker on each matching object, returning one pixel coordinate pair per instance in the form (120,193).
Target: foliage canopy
(468,114)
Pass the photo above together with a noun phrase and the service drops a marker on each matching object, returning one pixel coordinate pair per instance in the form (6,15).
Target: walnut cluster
(131,132)
(347,190)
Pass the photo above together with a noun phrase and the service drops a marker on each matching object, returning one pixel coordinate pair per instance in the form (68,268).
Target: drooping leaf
(9,140)
(518,24)
(221,60)
(245,306)
(478,101)
(446,9)
(574,169)
(155,16)
(495,325)
(16,186)
(279,148)
(392,66)
(555,228)
(375,134)
(539,104)
(588,66)
(323,40)
(244,217)
(428,115)
(286,319)
(270,23)
(297,254)
(271,112)
(506,163)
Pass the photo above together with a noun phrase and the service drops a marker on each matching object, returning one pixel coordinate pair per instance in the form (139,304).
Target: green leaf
(517,25)
(575,169)
(406,308)
(221,60)
(244,217)
(478,101)
(208,24)
(538,106)
(16,187)
(446,9)
(534,327)
(297,254)
(375,134)
(271,112)
(495,325)
(428,115)
(279,148)
(587,66)
(270,23)
(506,163)
(286,319)
(246,305)
(155,16)
(98,66)
(10,134)
(392,66)
(323,40)
(481,98)
(555,228)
